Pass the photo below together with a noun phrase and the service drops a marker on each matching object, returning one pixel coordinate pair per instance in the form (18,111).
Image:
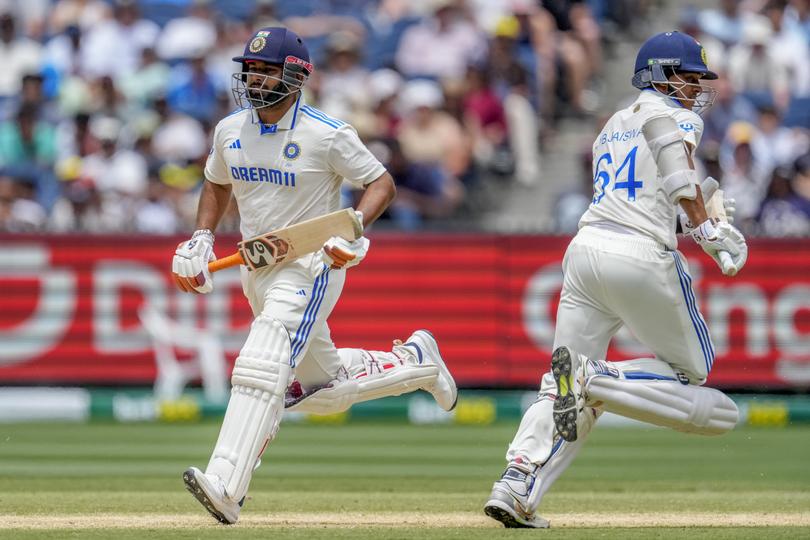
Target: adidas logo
(302,292)
(235,144)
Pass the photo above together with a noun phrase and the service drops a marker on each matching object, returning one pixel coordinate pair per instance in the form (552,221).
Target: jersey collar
(287,121)
(648,94)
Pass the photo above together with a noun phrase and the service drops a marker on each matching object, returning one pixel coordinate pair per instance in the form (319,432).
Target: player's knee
(264,361)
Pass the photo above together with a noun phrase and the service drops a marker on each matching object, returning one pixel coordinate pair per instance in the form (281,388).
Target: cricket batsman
(284,161)
(623,268)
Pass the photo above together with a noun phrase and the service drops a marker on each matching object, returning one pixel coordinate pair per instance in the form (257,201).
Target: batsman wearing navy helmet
(283,162)
(623,269)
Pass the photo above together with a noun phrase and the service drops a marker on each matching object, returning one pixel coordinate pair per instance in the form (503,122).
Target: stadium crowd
(107,107)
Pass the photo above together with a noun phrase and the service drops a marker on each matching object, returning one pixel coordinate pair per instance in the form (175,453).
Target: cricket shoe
(567,368)
(443,389)
(210,491)
(509,500)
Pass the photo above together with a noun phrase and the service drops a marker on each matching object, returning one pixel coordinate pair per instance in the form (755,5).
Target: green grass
(98,470)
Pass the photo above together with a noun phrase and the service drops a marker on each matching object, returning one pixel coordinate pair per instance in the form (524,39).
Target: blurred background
(484,111)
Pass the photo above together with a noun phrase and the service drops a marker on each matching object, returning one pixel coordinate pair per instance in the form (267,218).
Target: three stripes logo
(235,144)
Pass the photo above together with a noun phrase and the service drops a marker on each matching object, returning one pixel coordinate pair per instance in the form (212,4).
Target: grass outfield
(400,481)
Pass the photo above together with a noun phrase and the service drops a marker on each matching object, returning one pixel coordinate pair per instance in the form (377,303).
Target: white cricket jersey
(290,171)
(627,189)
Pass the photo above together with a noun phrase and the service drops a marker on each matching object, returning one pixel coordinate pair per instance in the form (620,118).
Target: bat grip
(226,262)
(727,263)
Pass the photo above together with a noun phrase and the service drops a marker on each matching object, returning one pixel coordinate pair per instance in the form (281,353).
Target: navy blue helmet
(680,52)
(277,46)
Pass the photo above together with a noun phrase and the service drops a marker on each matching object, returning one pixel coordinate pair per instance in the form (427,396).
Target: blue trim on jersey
(310,314)
(643,375)
(234,112)
(318,115)
(325,116)
(697,321)
(677,102)
(295,110)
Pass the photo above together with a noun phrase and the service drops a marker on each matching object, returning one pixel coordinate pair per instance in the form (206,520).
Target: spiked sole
(499,511)
(194,488)
(565,406)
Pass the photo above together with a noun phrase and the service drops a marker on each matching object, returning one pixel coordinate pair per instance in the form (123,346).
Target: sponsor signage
(69,307)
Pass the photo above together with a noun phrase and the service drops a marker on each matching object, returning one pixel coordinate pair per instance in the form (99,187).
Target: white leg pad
(686,408)
(369,375)
(260,377)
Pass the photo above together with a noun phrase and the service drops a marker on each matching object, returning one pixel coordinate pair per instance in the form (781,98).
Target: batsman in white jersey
(623,268)
(283,162)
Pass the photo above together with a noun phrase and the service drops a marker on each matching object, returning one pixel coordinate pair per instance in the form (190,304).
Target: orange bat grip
(226,262)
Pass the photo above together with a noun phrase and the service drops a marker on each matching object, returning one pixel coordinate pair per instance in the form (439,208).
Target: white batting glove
(707,189)
(340,253)
(725,244)
(190,263)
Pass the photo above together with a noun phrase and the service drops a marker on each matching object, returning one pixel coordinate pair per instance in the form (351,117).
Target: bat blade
(290,243)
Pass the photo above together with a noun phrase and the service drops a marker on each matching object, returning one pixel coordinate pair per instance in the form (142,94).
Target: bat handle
(226,262)
(729,268)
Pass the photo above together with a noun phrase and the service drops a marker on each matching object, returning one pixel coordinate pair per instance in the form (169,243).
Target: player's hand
(340,253)
(190,263)
(725,244)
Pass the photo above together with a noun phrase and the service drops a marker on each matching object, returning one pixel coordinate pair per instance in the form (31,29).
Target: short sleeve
(216,170)
(349,158)
(690,125)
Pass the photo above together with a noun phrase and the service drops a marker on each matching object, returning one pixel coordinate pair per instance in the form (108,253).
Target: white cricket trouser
(301,295)
(612,279)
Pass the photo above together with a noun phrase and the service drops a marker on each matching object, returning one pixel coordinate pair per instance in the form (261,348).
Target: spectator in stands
(780,145)
(80,209)
(753,70)
(18,55)
(185,37)
(343,76)
(114,47)
(193,90)
(84,14)
(746,174)
(119,174)
(19,212)
(484,120)
(724,23)
(441,46)
(789,47)
(179,138)
(148,81)
(786,208)
(429,135)
(728,107)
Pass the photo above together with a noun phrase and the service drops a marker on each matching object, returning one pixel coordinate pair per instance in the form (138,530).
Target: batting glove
(190,263)
(340,253)
(716,238)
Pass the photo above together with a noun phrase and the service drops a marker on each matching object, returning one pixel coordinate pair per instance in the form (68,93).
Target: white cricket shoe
(509,500)
(444,388)
(210,491)
(568,370)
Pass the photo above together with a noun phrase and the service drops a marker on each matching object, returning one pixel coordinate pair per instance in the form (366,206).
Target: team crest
(292,150)
(258,44)
(703,57)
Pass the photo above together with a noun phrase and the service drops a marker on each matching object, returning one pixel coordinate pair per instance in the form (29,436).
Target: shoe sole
(442,367)
(498,511)
(565,406)
(190,480)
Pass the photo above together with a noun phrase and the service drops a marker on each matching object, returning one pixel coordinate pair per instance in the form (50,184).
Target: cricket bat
(289,243)
(716,210)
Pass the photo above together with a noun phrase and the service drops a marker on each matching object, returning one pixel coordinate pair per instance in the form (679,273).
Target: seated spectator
(80,209)
(19,212)
(18,55)
(84,14)
(427,134)
(117,173)
(155,214)
(485,120)
(781,145)
(343,76)
(754,71)
(786,208)
(424,190)
(149,80)
(724,23)
(193,91)
(184,37)
(441,46)
(728,107)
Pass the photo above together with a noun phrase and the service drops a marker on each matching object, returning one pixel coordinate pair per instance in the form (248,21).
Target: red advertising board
(69,307)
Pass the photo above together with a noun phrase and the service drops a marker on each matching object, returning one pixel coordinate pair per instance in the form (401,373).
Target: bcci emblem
(257,44)
(703,57)
(292,150)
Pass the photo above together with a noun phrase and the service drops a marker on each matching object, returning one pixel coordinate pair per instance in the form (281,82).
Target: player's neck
(271,115)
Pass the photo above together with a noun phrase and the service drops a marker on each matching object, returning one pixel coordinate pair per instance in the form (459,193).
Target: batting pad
(260,376)
(686,408)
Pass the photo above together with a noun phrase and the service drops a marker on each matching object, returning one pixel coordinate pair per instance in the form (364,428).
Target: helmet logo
(257,44)
(703,57)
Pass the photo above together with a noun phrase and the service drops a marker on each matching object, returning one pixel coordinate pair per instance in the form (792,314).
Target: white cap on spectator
(421,93)
(105,128)
(384,83)
(757,31)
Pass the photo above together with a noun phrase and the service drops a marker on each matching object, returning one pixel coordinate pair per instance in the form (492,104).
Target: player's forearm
(214,200)
(376,198)
(695,209)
